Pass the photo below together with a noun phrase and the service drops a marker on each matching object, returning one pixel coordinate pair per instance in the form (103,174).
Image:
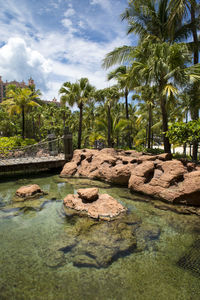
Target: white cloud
(66,23)
(18,61)
(105,4)
(81,24)
(54,55)
(69,12)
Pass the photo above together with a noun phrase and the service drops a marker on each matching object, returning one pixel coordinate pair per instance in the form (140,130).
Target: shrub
(9,143)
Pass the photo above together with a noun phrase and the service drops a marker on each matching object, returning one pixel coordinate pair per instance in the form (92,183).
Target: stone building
(21,84)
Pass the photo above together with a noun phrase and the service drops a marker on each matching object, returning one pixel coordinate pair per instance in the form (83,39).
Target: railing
(51,149)
(45,148)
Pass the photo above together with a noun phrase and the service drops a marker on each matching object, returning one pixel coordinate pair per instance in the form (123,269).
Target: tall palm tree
(148,95)
(121,74)
(118,125)
(118,74)
(165,66)
(108,96)
(149,19)
(77,93)
(19,100)
(188,11)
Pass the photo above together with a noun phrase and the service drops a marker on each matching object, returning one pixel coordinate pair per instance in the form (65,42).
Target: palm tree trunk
(109,126)
(149,126)
(194,33)
(34,127)
(167,145)
(64,119)
(80,125)
(129,144)
(196,60)
(23,123)
(126,103)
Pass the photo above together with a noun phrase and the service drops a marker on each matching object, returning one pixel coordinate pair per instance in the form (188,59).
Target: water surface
(148,254)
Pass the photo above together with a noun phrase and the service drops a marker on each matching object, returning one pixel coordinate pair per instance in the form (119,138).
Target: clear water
(46,255)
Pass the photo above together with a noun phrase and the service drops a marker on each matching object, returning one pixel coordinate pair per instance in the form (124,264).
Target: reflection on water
(44,254)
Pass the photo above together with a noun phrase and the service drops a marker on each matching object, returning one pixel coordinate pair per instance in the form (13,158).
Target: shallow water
(148,254)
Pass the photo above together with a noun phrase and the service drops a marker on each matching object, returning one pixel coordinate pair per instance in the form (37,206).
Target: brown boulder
(108,151)
(29,191)
(120,174)
(88,195)
(164,156)
(105,207)
(143,169)
(69,169)
(173,181)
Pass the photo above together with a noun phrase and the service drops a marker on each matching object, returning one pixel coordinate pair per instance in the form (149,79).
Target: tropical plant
(187,11)
(108,96)
(19,101)
(78,94)
(165,66)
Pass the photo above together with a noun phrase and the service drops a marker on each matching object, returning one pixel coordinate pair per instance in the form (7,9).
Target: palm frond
(117,56)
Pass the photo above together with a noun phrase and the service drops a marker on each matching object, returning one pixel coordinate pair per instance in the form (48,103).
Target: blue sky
(54,41)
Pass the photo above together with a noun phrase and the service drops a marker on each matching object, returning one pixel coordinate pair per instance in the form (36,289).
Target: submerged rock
(104,207)
(28,191)
(99,244)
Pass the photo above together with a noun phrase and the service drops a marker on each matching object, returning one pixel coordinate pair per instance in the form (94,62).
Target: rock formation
(94,205)
(174,181)
(28,191)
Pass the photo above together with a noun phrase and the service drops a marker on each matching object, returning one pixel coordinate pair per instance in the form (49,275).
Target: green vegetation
(14,142)
(157,90)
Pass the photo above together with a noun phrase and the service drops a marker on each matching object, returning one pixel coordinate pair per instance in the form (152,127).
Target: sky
(54,41)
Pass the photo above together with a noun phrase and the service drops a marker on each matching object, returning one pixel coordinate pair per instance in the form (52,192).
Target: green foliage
(154,151)
(180,132)
(15,142)
(178,155)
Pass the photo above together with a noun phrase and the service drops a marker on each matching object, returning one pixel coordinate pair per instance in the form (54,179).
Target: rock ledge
(173,181)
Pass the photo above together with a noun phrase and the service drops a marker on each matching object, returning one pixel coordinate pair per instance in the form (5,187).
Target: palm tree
(118,74)
(118,126)
(19,100)
(165,66)
(77,93)
(148,95)
(180,9)
(121,74)
(108,96)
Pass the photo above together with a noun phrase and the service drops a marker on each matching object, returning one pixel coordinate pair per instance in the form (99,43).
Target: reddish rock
(191,167)
(105,207)
(144,158)
(29,191)
(88,195)
(120,174)
(164,156)
(69,169)
(174,181)
(108,151)
(143,169)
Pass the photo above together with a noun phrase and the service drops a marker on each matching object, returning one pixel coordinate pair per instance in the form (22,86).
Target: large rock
(169,181)
(28,191)
(69,169)
(105,207)
(173,181)
(88,195)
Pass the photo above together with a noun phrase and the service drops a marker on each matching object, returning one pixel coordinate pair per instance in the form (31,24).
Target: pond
(44,254)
